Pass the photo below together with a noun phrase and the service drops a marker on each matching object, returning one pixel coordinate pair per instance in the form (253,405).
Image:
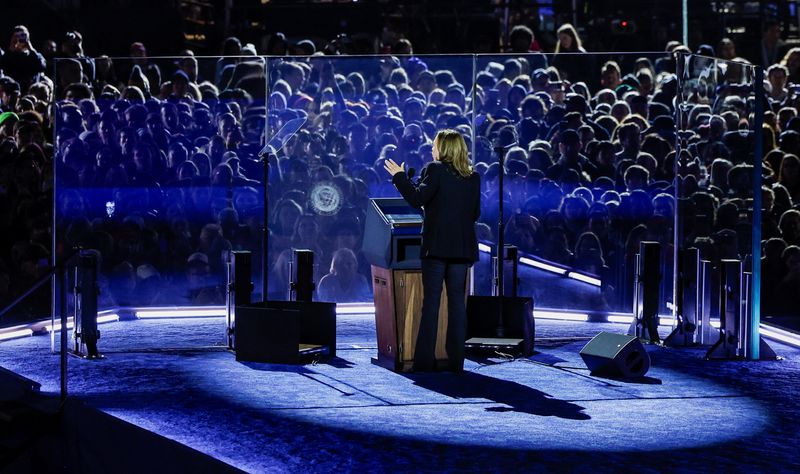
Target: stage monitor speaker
(616,355)
(518,323)
(285,332)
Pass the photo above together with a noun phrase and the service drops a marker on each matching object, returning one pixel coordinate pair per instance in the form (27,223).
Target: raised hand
(393,168)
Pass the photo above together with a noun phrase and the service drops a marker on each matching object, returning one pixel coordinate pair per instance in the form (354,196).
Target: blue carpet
(543,413)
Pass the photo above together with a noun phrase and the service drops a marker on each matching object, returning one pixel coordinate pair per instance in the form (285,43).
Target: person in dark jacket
(22,62)
(449,191)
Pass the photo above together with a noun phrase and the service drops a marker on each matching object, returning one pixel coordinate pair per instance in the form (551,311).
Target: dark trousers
(453,275)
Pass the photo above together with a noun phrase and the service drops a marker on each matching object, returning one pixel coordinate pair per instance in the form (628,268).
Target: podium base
(408,366)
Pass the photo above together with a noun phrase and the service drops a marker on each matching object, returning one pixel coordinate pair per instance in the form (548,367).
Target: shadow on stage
(514,396)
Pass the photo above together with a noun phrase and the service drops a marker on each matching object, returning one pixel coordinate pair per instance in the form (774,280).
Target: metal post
(746,316)
(636,309)
(500,248)
(704,298)
(265,229)
(505,24)
(758,153)
(685,21)
(677,227)
(62,309)
(265,187)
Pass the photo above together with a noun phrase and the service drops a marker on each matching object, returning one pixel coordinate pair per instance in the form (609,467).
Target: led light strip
(619,319)
(355,308)
(57,327)
(780,335)
(542,266)
(209,312)
(107,318)
(550,268)
(584,278)
(16,334)
(560,315)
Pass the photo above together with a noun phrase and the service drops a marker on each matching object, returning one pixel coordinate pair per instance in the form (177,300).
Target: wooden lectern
(392,242)
(398,309)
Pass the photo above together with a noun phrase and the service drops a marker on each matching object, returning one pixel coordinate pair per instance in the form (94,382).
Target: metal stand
(301,287)
(85,291)
(765,352)
(730,309)
(736,293)
(646,293)
(499,249)
(689,299)
(265,228)
(703,334)
(239,290)
(513,317)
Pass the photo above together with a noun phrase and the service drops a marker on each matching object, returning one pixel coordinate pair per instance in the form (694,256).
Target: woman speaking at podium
(449,191)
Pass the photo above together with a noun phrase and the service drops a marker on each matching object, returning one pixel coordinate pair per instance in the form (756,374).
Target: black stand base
(681,336)
(722,351)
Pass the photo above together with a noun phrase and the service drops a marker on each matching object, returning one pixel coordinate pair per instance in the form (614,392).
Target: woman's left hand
(392,167)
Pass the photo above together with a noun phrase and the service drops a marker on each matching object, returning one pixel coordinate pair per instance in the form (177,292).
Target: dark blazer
(452,205)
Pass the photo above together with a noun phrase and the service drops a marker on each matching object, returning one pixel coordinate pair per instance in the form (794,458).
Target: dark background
(433,26)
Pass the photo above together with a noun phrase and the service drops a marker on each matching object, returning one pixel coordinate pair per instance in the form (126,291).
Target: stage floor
(174,378)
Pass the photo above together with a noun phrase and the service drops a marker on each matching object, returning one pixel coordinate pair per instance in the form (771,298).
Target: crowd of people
(156,164)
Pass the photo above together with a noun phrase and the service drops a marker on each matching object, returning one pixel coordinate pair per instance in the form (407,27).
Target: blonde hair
(569,30)
(453,150)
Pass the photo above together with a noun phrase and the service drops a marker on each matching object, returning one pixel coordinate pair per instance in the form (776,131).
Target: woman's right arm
(423,192)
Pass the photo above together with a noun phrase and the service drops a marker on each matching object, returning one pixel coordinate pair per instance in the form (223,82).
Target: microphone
(507,147)
(506,138)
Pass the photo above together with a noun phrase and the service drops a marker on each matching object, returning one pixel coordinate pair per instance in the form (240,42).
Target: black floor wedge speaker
(616,355)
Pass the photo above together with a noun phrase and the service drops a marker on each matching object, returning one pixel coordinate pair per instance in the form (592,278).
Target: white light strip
(782,332)
(181,313)
(666,321)
(620,319)
(770,333)
(560,315)
(16,334)
(355,309)
(484,248)
(780,335)
(57,327)
(714,324)
(108,318)
(542,266)
(584,278)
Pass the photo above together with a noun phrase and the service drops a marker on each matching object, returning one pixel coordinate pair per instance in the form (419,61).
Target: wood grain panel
(398,311)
